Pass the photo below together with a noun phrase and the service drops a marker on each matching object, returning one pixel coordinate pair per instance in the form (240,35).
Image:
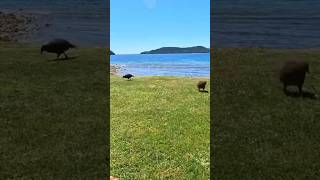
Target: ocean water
(266,23)
(187,65)
(80,21)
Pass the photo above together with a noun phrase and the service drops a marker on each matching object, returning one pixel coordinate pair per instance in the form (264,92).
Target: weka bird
(201,85)
(128,76)
(58,46)
(293,74)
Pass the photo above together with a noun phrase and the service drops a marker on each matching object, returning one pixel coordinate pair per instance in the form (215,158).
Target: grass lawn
(257,131)
(53,114)
(160,128)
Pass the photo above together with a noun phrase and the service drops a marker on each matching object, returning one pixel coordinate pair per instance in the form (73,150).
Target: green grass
(53,117)
(160,128)
(53,114)
(257,131)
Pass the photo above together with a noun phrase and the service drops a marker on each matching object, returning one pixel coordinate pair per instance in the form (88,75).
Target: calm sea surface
(266,23)
(190,65)
(80,21)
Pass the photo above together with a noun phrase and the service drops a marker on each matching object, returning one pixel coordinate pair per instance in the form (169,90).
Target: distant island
(112,53)
(172,50)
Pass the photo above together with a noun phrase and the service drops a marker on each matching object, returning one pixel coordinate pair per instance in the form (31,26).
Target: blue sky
(141,25)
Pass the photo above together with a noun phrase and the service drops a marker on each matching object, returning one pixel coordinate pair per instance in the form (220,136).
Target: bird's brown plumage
(293,74)
(128,76)
(58,46)
(201,85)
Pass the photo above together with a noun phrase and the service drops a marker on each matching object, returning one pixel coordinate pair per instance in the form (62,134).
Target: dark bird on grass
(201,85)
(128,76)
(293,74)
(58,46)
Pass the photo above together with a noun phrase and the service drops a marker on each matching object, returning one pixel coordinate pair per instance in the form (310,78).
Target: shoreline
(27,27)
(115,70)
(17,25)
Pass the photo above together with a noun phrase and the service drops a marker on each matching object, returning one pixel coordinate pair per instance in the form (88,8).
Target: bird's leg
(300,89)
(285,88)
(65,55)
(58,55)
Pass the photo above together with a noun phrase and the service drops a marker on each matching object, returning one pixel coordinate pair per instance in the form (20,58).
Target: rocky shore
(15,25)
(115,69)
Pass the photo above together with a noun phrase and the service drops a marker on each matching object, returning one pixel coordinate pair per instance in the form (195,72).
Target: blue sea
(266,23)
(80,21)
(187,65)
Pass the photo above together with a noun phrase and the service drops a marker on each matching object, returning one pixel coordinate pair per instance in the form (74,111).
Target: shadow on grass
(305,94)
(204,91)
(64,59)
